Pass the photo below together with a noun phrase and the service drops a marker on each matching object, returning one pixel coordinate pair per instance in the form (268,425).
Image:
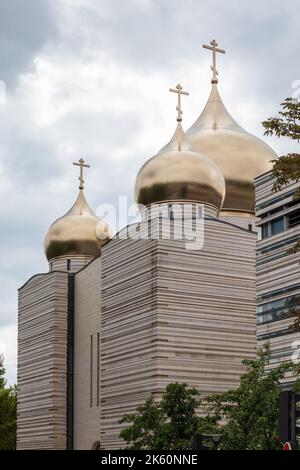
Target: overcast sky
(90,78)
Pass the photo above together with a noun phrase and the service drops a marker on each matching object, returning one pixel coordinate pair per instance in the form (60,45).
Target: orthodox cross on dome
(179,91)
(214,48)
(82,165)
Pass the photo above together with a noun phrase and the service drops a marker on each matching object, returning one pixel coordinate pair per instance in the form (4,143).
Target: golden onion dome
(179,173)
(240,156)
(78,232)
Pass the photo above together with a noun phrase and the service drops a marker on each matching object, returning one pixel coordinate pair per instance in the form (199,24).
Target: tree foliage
(2,373)
(295,312)
(286,124)
(247,416)
(251,410)
(168,424)
(287,167)
(8,410)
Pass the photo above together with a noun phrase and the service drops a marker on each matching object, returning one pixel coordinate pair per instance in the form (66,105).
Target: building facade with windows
(278,268)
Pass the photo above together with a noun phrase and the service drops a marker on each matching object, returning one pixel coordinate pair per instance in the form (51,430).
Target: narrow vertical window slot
(91,372)
(98,369)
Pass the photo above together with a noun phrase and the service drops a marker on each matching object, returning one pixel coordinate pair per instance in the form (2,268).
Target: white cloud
(8,347)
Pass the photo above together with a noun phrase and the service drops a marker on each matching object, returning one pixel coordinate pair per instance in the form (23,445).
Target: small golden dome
(178,173)
(78,232)
(240,156)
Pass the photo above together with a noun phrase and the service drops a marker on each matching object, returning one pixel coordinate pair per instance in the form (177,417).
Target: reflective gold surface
(240,156)
(78,232)
(178,173)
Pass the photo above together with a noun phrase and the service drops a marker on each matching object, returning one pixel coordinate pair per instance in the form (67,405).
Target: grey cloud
(25,27)
(160,33)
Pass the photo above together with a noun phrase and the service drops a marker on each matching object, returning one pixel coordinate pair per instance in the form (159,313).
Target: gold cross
(82,165)
(213,47)
(179,91)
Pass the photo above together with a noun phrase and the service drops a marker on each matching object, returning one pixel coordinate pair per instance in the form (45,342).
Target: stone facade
(170,314)
(87,317)
(42,362)
(146,313)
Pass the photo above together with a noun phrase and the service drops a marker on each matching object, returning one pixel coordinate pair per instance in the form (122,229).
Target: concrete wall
(87,316)
(70,263)
(42,362)
(170,314)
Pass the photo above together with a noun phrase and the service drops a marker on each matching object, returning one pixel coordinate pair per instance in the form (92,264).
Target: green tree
(168,424)
(2,373)
(295,312)
(247,416)
(8,410)
(145,427)
(286,168)
(286,124)
(251,410)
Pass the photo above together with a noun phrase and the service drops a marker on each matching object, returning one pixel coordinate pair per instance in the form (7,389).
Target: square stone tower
(173,315)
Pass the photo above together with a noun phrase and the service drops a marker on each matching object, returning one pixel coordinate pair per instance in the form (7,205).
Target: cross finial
(179,91)
(82,165)
(214,48)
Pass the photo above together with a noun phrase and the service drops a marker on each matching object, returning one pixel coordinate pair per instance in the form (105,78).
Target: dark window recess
(275,200)
(288,205)
(277,226)
(68,265)
(274,334)
(264,231)
(283,291)
(294,218)
(250,227)
(70,362)
(274,211)
(91,372)
(276,246)
(98,369)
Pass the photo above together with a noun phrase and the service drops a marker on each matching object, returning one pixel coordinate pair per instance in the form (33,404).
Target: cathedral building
(118,318)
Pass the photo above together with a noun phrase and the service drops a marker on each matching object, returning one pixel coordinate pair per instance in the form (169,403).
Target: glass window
(277,226)
(278,309)
(278,209)
(294,218)
(264,231)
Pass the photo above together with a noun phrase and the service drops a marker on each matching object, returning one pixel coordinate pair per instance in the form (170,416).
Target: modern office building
(278,268)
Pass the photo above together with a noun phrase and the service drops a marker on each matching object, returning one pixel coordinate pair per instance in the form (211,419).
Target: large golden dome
(179,173)
(78,232)
(240,156)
